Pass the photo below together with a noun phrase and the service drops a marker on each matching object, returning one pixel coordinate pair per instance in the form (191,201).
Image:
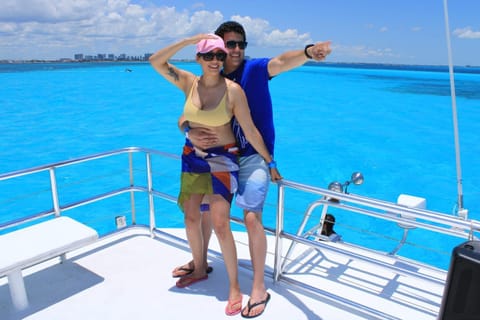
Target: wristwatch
(306,52)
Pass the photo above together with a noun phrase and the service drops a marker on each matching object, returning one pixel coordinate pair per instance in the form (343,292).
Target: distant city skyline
(110,57)
(90,57)
(361,31)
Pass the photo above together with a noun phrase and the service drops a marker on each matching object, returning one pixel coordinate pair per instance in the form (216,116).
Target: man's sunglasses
(208,56)
(232,44)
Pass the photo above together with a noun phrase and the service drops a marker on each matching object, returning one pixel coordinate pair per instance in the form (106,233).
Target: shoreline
(35,61)
(358,65)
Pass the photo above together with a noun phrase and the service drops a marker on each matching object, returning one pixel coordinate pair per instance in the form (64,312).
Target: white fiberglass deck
(128,276)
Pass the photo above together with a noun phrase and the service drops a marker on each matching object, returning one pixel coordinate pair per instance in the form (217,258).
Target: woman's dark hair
(231,26)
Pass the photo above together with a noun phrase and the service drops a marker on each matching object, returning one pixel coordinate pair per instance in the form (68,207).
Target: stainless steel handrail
(418,218)
(58,209)
(60,164)
(412,217)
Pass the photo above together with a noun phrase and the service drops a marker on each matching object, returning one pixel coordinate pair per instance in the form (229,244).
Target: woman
(211,102)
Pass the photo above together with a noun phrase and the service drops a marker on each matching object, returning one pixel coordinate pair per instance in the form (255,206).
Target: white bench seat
(37,243)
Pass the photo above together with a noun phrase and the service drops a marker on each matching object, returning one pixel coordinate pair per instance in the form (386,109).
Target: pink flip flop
(229,311)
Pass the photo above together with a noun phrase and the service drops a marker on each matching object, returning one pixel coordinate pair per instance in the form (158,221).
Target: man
(253,76)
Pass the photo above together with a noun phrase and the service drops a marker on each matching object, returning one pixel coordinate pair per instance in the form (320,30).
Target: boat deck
(127,275)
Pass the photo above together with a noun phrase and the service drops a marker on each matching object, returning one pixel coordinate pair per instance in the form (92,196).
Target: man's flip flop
(249,307)
(185,271)
(188,281)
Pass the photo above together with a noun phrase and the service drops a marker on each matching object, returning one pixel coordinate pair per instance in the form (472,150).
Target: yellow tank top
(216,117)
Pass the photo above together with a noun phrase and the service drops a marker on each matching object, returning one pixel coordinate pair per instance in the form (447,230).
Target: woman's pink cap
(207,45)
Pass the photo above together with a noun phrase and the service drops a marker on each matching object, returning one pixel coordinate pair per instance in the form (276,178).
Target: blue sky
(370,31)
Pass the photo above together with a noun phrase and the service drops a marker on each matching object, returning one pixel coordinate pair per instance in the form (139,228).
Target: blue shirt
(253,77)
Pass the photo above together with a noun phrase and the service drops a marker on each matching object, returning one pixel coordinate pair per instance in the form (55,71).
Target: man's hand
(320,50)
(202,138)
(275,175)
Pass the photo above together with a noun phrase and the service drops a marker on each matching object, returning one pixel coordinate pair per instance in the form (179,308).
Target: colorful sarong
(211,171)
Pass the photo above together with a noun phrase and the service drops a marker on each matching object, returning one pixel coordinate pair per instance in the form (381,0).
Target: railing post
(278,232)
(150,193)
(53,185)
(307,215)
(132,183)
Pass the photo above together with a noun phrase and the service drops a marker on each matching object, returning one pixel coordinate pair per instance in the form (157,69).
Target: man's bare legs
(257,242)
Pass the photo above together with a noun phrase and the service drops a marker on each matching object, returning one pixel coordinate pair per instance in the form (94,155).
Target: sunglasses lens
(209,56)
(221,56)
(233,44)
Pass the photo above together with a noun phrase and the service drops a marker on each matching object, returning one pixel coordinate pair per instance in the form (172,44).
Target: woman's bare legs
(220,214)
(207,228)
(194,232)
(207,233)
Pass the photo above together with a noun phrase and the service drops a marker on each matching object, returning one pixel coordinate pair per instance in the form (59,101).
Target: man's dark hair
(329,223)
(231,26)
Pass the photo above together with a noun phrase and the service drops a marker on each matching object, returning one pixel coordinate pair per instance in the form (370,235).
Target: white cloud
(198,5)
(29,27)
(54,29)
(259,32)
(362,52)
(466,33)
(46,11)
(8,28)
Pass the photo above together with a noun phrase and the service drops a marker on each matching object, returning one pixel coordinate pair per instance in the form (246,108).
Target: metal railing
(404,217)
(58,209)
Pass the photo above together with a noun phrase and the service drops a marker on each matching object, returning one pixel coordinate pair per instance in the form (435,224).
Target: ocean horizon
(15,65)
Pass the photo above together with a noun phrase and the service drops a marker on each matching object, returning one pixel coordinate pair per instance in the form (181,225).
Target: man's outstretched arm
(295,58)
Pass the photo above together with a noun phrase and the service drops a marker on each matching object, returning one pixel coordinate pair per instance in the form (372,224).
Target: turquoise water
(393,125)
